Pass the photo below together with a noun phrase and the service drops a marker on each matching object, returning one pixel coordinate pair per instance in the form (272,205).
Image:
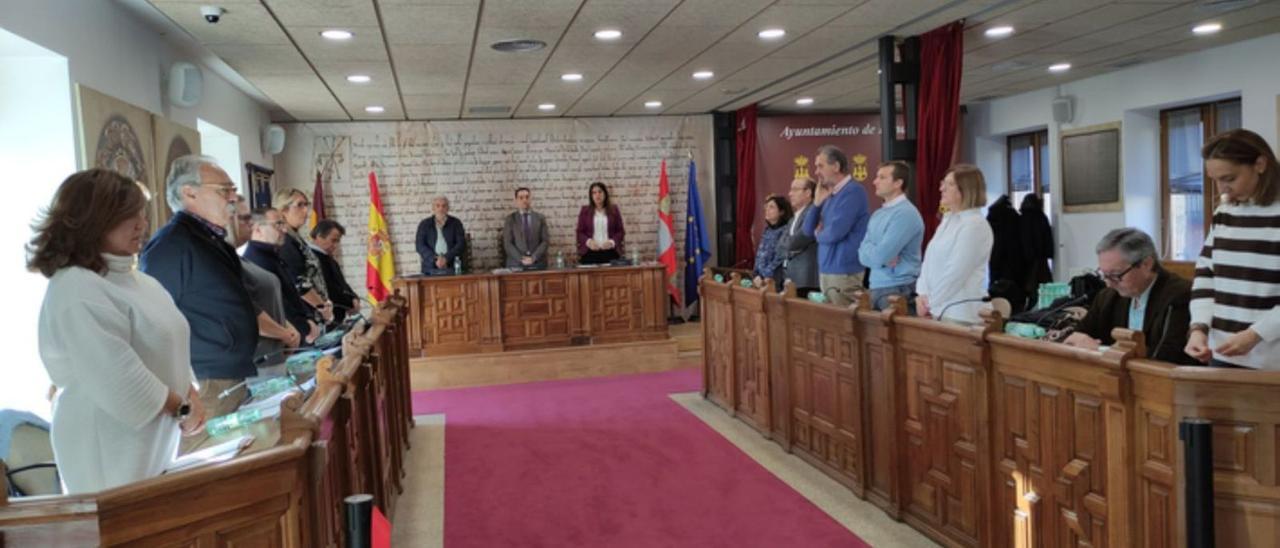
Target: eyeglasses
(303,204)
(226,191)
(244,218)
(1115,278)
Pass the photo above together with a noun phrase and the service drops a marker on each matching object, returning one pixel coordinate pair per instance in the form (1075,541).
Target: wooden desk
(978,438)
(478,313)
(348,437)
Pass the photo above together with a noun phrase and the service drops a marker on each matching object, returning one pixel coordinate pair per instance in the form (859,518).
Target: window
(223,146)
(1184,200)
(1029,168)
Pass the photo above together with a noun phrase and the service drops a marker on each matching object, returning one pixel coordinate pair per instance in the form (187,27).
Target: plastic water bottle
(265,388)
(457,265)
(559,259)
(218,426)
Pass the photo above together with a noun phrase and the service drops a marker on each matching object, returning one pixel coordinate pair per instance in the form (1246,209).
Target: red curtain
(941,62)
(744,251)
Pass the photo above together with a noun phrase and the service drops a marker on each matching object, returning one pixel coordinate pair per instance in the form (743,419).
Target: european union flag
(695,251)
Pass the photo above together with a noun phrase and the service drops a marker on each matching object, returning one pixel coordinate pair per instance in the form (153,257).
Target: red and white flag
(667,234)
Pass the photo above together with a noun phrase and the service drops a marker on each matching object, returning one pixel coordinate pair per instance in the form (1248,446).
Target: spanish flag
(381,266)
(317,204)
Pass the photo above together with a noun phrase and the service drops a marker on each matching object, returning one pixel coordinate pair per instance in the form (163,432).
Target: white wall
(109,50)
(1134,97)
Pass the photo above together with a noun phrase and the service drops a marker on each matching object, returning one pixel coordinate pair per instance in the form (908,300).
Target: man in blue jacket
(891,248)
(201,271)
(838,223)
(440,238)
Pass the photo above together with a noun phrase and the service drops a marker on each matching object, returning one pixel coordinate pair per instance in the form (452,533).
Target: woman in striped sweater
(1235,299)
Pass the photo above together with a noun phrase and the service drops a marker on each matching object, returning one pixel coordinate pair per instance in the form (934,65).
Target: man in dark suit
(264,250)
(440,238)
(800,252)
(1140,295)
(325,239)
(524,234)
(201,271)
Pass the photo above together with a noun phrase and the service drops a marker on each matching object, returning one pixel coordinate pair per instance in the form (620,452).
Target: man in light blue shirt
(892,246)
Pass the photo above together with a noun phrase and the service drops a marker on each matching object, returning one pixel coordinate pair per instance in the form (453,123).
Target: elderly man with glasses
(190,257)
(1140,295)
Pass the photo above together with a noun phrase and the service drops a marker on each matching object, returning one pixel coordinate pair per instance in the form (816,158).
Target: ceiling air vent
(1008,66)
(520,45)
(1128,63)
(489,110)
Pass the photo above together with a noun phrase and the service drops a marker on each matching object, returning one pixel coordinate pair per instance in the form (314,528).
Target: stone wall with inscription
(480,164)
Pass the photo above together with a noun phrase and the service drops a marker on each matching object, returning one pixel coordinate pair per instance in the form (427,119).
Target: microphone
(263,358)
(985,299)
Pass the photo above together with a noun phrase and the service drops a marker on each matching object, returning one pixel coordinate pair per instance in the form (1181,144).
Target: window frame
(1209,128)
(1039,138)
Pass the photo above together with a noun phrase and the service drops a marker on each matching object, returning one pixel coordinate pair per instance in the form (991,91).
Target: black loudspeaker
(725,139)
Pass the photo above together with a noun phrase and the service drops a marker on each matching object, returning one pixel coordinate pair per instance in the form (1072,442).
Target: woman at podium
(600,231)
(115,346)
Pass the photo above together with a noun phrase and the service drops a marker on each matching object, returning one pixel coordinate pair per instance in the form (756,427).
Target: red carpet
(608,462)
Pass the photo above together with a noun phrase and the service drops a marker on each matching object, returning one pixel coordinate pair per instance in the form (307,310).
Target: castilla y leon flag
(317,204)
(667,234)
(381,266)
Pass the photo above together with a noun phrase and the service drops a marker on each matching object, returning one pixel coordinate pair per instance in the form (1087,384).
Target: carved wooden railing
(977,438)
(347,437)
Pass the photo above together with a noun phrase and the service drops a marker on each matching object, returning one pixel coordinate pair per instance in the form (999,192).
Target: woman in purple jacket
(600,231)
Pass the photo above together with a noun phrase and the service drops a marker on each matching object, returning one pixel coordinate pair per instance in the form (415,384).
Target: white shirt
(955,265)
(442,247)
(115,346)
(795,221)
(601,233)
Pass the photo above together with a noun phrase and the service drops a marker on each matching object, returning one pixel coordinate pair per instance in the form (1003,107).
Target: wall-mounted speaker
(1064,109)
(273,139)
(186,84)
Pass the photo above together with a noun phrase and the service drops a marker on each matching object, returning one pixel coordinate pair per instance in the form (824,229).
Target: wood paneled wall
(495,312)
(978,438)
(348,437)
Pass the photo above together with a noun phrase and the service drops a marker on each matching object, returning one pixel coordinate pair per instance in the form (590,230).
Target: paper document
(218,453)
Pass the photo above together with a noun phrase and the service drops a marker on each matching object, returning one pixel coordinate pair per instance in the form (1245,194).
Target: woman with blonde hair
(302,264)
(953,275)
(1235,318)
(114,343)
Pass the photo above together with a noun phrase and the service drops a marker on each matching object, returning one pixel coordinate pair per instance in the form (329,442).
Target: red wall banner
(785,146)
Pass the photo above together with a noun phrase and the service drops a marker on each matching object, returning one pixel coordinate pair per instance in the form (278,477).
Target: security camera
(212,14)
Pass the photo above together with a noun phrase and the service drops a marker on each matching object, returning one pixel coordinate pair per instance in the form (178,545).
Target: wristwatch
(183,410)
(1199,327)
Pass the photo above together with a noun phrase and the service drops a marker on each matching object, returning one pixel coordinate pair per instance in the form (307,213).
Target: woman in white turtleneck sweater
(953,276)
(111,338)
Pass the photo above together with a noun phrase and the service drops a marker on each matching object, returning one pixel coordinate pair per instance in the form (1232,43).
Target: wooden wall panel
(717,353)
(882,395)
(945,424)
(751,358)
(826,389)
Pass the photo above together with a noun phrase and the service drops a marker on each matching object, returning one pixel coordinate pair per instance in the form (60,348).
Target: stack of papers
(210,455)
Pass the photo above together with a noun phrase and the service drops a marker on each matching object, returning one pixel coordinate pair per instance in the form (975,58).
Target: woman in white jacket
(953,275)
(113,342)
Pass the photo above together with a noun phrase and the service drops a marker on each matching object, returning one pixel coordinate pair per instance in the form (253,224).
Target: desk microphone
(986,299)
(263,358)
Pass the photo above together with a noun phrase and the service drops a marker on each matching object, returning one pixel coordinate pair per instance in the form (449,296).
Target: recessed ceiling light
(1060,67)
(804,101)
(1207,28)
(608,34)
(999,32)
(571,76)
(704,75)
(337,34)
(547,106)
(772,34)
(375,109)
(359,79)
(652,104)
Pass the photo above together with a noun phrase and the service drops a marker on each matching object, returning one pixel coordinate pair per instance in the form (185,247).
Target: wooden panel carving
(751,358)
(945,429)
(535,311)
(717,352)
(455,317)
(826,391)
(882,407)
(615,304)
